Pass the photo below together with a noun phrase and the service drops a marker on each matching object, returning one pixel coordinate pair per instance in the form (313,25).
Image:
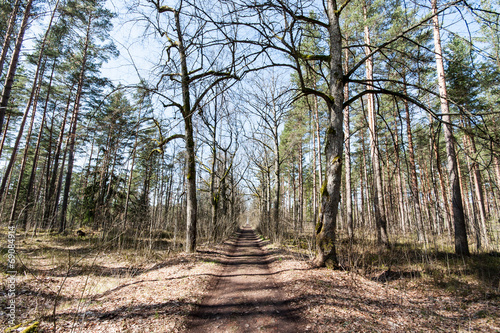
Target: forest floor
(243,285)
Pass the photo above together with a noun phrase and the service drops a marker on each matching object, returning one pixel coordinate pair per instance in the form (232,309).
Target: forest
(352,140)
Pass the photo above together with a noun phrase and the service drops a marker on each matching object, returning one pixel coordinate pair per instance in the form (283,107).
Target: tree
(464,90)
(189,68)
(378,197)
(95,20)
(8,30)
(461,244)
(9,79)
(269,100)
(280,28)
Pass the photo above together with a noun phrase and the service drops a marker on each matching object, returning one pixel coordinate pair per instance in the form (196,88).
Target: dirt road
(245,297)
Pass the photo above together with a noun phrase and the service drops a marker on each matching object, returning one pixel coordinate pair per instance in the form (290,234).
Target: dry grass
(408,297)
(99,289)
(73,284)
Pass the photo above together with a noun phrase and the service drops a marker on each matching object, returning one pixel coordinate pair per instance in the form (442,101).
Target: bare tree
(268,100)
(194,51)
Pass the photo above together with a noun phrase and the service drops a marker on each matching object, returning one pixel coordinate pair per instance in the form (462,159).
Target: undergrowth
(408,262)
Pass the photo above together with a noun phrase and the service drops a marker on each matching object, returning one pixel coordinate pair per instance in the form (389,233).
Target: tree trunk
(131,173)
(4,134)
(444,192)
(461,243)
(378,196)
(277,189)
(37,148)
(191,201)
(214,197)
(72,134)
(37,83)
(478,188)
(35,91)
(347,143)
(401,202)
(8,169)
(330,190)
(9,79)
(315,186)
(269,227)
(413,175)
(301,189)
(51,195)
(8,33)
(365,195)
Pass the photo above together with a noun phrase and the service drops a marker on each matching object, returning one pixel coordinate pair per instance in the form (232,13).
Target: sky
(137,54)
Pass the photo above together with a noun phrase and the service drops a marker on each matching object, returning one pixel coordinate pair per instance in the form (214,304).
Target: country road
(245,297)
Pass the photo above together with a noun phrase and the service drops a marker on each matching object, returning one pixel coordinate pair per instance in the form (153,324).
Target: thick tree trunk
(191,201)
(461,243)
(330,190)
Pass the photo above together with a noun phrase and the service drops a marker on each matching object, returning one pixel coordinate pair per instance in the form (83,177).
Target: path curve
(245,297)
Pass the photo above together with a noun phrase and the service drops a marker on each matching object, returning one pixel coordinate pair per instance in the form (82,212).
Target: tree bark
(191,200)
(214,195)
(31,182)
(277,189)
(37,83)
(314,175)
(9,80)
(35,91)
(347,143)
(12,160)
(8,33)
(4,134)
(461,243)
(378,196)
(51,194)
(330,190)
(72,133)
(400,187)
(301,188)
(413,175)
